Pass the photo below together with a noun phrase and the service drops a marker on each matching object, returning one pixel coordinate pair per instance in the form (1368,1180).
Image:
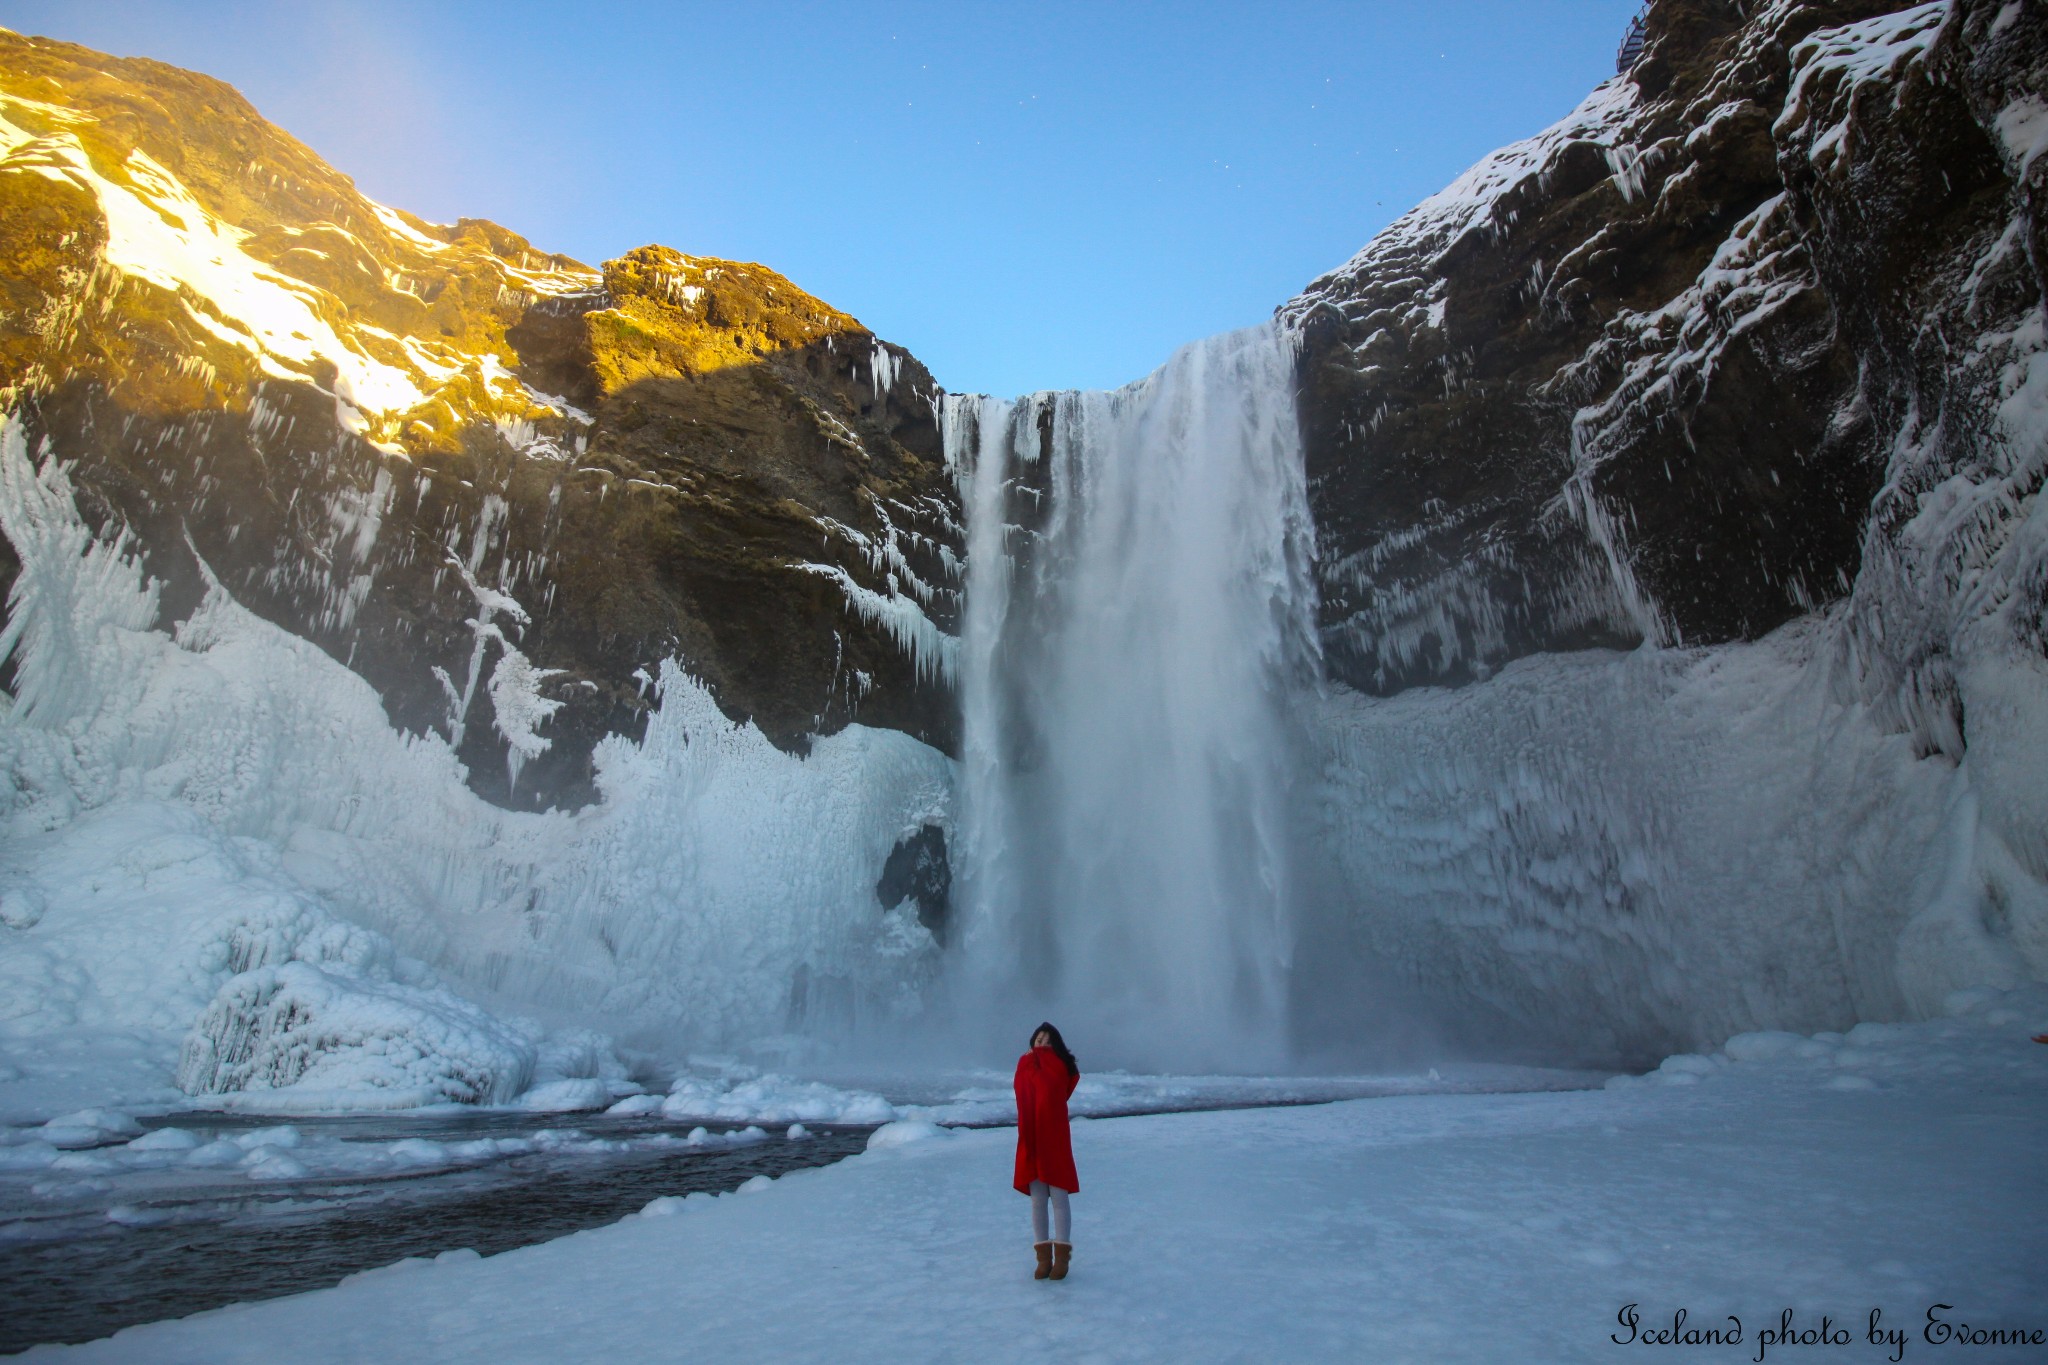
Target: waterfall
(1138,630)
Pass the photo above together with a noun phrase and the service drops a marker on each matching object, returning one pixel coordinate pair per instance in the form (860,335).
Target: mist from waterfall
(1138,634)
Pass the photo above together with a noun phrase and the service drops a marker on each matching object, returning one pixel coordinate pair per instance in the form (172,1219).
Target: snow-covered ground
(1894,1168)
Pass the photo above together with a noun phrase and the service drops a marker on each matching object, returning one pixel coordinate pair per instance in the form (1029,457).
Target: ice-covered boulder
(328,1039)
(574,1095)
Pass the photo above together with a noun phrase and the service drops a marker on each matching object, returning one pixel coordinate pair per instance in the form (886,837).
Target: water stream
(79,1273)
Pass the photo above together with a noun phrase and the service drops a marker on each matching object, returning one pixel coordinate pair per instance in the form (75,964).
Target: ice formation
(320,1032)
(231,796)
(1136,639)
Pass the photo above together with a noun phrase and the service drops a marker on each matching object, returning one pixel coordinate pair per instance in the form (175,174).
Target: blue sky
(1026,195)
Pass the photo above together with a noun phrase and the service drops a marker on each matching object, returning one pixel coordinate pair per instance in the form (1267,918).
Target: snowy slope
(1892,1169)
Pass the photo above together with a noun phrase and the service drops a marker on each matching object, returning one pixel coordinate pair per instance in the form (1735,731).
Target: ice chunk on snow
(22,905)
(633,1106)
(89,1128)
(419,1152)
(219,1152)
(756,1185)
(903,1132)
(268,1163)
(27,1156)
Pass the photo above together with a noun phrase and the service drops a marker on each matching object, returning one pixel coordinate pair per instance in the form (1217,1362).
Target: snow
(1468,202)
(770,1098)
(159,923)
(903,1132)
(156,231)
(570,1096)
(2023,129)
(89,1128)
(1615,855)
(518,707)
(298,1038)
(159,234)
(931,651)
(1850,56)
(1441,1228)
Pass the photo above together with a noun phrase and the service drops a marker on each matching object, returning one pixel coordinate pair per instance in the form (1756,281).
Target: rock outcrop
(1683,366)
(499,484)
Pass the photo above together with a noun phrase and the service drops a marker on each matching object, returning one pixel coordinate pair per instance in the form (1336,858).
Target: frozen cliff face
(1641,375)
(500,485)
(1743,360)
(215,835)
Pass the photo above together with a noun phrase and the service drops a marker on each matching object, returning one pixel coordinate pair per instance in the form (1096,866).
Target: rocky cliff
(1744,359)
(499,484)
(1644,375)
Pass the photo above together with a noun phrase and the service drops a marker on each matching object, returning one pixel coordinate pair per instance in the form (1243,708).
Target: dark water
(87,1277)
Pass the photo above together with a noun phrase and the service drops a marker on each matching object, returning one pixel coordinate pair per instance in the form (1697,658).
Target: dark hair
(1059,1047)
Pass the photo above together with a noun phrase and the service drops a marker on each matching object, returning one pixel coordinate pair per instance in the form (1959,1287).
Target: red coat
(1045,1146)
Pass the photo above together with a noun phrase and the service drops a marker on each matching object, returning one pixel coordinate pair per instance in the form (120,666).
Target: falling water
(1138,627)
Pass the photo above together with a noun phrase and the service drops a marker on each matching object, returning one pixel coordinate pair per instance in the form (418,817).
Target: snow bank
(158,923)
(903,1133)
(113,1168)
(742,1095)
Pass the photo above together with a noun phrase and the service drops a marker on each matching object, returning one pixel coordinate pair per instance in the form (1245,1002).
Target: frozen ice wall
(1610,856)
(1136,644)
(721,891)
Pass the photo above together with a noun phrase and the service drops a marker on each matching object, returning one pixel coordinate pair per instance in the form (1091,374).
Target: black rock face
(918,870)
(1646,375)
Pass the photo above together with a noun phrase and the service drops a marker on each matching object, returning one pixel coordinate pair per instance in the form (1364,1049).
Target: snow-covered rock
(296,1034)
(359,419)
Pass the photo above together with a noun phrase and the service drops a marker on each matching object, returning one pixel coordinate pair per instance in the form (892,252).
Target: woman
(1046,1075)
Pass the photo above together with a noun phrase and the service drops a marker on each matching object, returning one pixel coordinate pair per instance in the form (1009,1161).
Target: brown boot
(1062,1252)
(1044,1250)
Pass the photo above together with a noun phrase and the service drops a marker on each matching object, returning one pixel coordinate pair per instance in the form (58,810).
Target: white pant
(1062,1218)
